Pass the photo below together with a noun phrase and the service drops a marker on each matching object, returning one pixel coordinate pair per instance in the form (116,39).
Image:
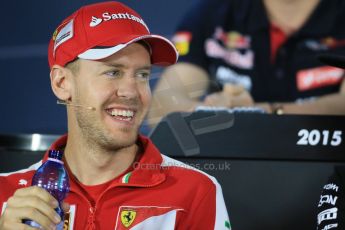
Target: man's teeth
(124,113)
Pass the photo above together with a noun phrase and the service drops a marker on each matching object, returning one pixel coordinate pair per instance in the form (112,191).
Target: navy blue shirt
(230,39)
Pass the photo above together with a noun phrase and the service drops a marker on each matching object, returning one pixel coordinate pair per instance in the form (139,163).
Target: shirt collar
(257,16)
(323,19)
(146,172)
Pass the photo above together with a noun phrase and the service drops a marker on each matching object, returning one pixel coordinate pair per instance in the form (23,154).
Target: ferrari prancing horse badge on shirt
(127,217)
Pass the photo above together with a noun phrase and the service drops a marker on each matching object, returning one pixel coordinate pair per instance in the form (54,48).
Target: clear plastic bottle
(53,177)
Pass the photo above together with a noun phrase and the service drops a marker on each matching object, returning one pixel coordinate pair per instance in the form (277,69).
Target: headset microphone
(61,102)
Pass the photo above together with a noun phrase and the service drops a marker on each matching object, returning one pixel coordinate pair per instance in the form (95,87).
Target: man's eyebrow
(108,64)
(145,67)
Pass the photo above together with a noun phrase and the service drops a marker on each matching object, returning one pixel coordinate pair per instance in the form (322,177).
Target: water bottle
(53,177)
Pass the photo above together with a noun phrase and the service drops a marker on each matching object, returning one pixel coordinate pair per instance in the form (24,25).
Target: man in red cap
(100,59)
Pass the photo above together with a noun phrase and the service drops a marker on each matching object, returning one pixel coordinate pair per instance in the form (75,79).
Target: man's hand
(33,203)
(231,96)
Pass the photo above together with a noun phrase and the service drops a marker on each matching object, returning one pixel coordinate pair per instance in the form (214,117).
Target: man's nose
(127,88)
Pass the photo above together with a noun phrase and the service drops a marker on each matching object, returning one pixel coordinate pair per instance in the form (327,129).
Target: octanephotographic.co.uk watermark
(203,166)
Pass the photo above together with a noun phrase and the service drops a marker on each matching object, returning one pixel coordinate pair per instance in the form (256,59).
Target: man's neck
(93,165)
(289,15)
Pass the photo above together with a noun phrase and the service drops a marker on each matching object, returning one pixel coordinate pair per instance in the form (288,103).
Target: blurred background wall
(28,104)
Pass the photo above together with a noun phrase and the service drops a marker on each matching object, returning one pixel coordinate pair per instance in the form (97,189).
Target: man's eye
(113,73)
(144,76)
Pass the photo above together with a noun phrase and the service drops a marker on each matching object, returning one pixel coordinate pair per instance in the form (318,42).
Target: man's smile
(121,114)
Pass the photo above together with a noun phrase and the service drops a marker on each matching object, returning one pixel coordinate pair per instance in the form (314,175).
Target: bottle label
(60,226)
(32,224)
(55,160)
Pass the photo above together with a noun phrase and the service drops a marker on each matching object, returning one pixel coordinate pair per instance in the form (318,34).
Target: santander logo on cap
(95,21)
(99,30)
(106,16)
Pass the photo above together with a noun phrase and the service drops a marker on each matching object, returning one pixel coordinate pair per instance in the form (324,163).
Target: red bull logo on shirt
(232,39)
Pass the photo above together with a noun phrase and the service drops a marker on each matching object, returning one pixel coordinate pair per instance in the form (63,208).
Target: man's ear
(61,82)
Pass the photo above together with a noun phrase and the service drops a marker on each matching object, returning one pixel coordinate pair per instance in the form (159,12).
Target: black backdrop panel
(271,168)
(251,135)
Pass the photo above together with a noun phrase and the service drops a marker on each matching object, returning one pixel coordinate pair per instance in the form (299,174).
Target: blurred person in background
(260,53)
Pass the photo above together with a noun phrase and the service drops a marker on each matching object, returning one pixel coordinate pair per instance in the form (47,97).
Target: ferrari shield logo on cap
(127,217)
(65,33)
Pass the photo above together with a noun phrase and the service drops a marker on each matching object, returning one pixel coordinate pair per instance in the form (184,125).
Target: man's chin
(125,138)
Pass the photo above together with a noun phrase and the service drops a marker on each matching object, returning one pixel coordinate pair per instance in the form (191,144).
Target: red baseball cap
(99,30)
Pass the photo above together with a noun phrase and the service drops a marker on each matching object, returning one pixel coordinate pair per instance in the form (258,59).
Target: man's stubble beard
(95,134)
